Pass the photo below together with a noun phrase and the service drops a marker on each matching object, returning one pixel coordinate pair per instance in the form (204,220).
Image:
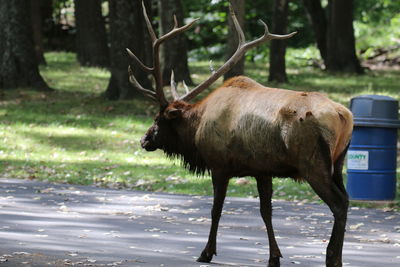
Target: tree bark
(91,39)
(37,29)
(341,52)
(232,43)
(174,51)
(317,18)
(277,64)
(18,65)
(126,31)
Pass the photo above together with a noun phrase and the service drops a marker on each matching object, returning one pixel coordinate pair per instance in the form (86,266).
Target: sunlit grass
(71,77)
(73,135)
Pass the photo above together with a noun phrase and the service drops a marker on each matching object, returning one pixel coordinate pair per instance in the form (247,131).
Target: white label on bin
(357,160)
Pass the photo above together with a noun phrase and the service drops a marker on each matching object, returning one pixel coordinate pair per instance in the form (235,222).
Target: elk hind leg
(220,185)
(337,171)
(331,190)
(338,204)
(264,186)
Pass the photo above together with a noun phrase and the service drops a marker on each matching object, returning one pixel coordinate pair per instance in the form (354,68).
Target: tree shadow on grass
(73,109)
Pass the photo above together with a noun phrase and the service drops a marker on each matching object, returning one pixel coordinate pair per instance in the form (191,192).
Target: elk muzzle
(147,143)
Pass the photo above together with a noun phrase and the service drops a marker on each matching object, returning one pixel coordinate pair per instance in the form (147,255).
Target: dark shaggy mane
(188,154)
(191,160)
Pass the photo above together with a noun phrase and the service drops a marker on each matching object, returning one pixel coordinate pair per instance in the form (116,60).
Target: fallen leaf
(356,226)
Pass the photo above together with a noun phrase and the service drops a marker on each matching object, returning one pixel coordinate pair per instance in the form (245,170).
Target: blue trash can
(372,155)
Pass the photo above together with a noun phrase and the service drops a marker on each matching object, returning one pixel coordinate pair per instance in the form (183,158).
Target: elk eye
(173,113)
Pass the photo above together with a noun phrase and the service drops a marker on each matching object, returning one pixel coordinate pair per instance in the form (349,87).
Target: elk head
(160,134)
(163,131)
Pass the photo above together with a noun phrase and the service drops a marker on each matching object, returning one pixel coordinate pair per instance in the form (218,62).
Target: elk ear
(173,113)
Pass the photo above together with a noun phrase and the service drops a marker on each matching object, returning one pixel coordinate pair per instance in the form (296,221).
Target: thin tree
(232,42)
(277,64)
(341,52)
(317,17)
(91,39)
(126,31)
(174,52)
(37,28)
(18,64)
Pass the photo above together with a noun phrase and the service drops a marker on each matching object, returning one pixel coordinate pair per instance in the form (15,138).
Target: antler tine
(185,86)
(148,23)
(267,37)
(239,30)
(141,64)
(175,22)
(176,30)
(240,51)
(173,86)
(134,82)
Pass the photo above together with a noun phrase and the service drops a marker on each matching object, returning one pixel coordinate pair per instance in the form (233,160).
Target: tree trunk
(126,31)
(317,17)
(277,64)
(18,65)
(37,28)
(174,52)
(238,69)
(341,52)
(91,39)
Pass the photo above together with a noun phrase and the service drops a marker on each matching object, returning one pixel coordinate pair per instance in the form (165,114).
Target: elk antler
(155,70)
(241,50)
(174,92)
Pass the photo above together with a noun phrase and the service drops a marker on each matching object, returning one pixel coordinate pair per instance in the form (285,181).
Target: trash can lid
(375,111)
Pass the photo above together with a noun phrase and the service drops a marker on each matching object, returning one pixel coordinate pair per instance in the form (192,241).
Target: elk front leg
(220,185)
(264,186)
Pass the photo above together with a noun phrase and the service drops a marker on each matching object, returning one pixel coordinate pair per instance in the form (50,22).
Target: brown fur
(246,129)
(243,123)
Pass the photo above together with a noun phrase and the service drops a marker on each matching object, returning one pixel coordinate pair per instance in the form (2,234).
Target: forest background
(68,113)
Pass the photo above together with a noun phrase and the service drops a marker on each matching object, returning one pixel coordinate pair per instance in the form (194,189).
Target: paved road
(44,224)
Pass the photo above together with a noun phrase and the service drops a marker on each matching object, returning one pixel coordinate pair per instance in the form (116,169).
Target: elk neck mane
(181,144)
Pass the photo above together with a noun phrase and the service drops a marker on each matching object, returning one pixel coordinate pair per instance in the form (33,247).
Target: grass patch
(73,135)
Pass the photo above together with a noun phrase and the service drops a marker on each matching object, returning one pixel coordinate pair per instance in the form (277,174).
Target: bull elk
(246,129)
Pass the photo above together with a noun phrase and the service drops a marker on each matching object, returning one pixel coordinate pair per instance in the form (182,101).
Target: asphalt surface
(44,224)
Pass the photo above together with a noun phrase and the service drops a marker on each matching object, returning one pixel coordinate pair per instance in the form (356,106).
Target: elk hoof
(333,263)
(336,264)
(205,257)
(274,262)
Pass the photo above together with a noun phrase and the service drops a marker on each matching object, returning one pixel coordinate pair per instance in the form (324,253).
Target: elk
(246,129)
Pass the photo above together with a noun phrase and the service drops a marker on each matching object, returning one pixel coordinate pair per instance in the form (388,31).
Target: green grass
(73,135)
